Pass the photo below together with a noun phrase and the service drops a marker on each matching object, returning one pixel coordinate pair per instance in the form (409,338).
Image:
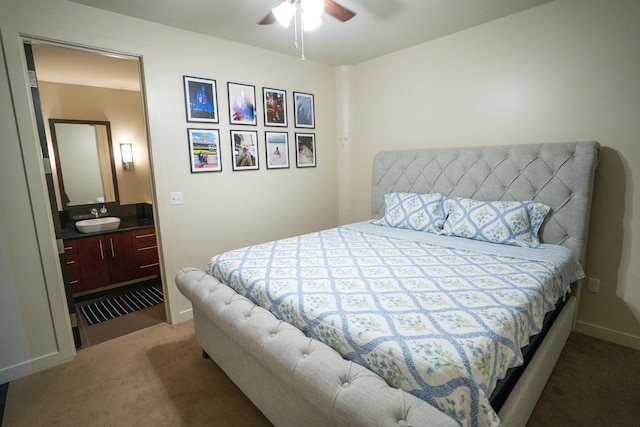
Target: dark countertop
(128,223)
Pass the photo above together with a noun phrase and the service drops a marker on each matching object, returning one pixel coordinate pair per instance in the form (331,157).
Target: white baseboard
(28,367)
(610,335)
(183,316)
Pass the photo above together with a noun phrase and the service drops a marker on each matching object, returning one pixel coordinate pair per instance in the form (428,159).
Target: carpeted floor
(153,377)
(594,383)
(157,376)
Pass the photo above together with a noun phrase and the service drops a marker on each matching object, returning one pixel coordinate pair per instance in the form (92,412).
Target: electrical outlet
(594,285)
(175,198)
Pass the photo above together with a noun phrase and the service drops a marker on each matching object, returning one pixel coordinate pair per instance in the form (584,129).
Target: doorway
(90,86)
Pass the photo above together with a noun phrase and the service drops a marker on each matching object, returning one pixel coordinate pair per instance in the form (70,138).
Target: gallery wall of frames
(207,146)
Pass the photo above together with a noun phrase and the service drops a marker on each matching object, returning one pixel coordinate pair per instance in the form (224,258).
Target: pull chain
(295,28)
(302,35)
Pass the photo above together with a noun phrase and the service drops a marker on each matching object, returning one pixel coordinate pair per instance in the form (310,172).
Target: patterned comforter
(440,317)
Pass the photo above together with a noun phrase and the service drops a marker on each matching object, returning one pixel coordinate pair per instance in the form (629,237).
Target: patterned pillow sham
(510,223)
(420,212)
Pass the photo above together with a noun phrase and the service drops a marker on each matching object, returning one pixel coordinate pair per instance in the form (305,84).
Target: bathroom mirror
(85,166)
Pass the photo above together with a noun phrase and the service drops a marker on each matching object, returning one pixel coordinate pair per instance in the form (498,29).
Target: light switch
(175,198)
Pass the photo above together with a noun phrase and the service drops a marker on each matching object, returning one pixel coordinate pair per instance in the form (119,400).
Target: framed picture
(275,107)
(305,150)
(304,110)
(277,149)
(204,150)
(244,146)
(242,104)
(200,98)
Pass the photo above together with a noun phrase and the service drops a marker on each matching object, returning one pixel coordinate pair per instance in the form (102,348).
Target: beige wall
(564,71)
(567,70)
(123,110)
(221,210)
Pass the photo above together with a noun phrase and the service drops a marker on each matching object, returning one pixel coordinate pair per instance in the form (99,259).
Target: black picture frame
(204,150)
(201,100)
(242,104)
(244,150)
(277,149)
(305,150)
(274,105)
(304,110)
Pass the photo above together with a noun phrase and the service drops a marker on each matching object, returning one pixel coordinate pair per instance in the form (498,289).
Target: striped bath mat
(124,304)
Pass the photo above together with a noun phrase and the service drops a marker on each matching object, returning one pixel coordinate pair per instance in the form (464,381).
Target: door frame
(37,105)
(13,36)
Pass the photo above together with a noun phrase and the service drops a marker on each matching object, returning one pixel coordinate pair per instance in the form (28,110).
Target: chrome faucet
(95,212)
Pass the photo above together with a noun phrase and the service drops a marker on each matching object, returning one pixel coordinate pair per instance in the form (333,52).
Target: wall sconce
(126,151)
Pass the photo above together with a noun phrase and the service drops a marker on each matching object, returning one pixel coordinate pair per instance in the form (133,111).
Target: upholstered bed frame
(295,380)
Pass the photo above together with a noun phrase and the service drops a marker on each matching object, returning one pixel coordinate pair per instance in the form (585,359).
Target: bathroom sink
(98,224)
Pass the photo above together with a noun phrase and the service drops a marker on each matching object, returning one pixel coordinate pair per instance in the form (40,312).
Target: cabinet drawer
(75,276)
(73,266)
(144,238)
(147,256)
(71,250)
(145,249)
(147,262)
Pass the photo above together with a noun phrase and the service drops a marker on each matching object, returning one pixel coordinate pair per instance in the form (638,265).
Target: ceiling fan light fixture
(312,8)
(311,22)
(284,12)
(306,15)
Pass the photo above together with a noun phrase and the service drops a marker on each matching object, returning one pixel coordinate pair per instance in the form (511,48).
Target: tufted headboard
(559,175)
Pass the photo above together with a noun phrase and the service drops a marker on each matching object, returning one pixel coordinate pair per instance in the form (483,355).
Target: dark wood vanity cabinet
(120,256)
(145,252)
(92,255)
(73,266)
(109,259)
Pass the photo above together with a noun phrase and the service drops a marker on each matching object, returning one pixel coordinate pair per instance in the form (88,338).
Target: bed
(466,291)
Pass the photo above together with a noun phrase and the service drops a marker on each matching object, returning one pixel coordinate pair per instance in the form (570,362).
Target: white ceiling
(380,26)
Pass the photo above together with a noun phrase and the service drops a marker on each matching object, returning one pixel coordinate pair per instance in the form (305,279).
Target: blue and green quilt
(441,317)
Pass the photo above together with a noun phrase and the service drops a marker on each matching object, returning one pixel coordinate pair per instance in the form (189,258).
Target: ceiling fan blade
(337,11)
(332,8)
(270,17)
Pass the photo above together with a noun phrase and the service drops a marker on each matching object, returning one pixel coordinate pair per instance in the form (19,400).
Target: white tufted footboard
(294,380)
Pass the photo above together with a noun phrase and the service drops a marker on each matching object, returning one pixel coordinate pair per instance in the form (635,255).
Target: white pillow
(510,223)
(420,212)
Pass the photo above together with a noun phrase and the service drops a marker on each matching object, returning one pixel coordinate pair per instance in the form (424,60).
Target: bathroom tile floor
(123,325)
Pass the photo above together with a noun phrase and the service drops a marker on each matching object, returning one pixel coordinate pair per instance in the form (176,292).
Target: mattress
(441,317)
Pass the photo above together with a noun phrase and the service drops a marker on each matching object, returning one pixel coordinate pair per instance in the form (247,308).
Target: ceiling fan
(331,7)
